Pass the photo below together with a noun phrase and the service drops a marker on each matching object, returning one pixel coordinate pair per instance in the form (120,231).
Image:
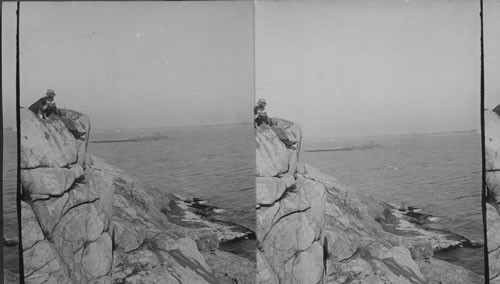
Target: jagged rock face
(65,216)
(79,125)
(85,221)
(45,143)
(492,155)
(492,140)
(290,217)
(41,261)
(147,247)
(272,156)
(312,229)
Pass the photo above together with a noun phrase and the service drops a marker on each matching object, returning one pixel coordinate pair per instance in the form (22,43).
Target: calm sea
(439,173)
(10,257)
(215,163)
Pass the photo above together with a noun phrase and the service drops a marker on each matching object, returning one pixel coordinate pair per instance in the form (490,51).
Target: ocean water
(440,173)
(10,257)
(215,163)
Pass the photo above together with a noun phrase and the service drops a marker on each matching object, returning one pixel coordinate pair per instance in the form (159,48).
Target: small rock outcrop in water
(312,229)
(85,221)
(492,155)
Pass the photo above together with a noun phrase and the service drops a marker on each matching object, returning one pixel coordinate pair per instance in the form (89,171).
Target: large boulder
(313,229)
(46,182)
(294,133)
(272,156)
(492,140)
(31,231)
(79,125)
(148,247)
(493,187)
(45,143)
(290,216)
(85,221)
(42,263)
(493,235)
(69,207)
(269,189)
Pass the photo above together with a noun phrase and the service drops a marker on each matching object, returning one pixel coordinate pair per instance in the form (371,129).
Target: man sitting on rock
(46,106)
(261,118)
(260,113)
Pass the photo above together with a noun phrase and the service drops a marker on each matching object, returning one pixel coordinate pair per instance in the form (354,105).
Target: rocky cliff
(312,229)
(492,155)
(85,221)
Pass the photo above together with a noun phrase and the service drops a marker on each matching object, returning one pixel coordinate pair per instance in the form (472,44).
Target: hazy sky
(492,52)
(360,68)
(134,64)
(339,68)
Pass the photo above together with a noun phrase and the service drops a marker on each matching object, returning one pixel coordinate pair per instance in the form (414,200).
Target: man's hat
(50,92)
(261,101)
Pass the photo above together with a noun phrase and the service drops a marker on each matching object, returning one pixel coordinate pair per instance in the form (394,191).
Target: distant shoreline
(174,127)
(397,135)
(153,137)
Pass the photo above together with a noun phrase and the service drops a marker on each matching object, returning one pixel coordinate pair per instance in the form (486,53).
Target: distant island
(173,127)
(153,137)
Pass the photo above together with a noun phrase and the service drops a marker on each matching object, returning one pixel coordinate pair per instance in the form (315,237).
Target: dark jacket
(44,107)
(38,106)
(260,116)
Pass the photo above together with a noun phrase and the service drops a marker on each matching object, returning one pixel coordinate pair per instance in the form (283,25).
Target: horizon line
(399,134)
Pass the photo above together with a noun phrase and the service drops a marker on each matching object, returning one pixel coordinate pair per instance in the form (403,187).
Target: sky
(338,68)
(492,52)
(363,68)
(134,64)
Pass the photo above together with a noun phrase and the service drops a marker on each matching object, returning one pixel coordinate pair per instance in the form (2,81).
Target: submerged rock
(415,228)
(201,220)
